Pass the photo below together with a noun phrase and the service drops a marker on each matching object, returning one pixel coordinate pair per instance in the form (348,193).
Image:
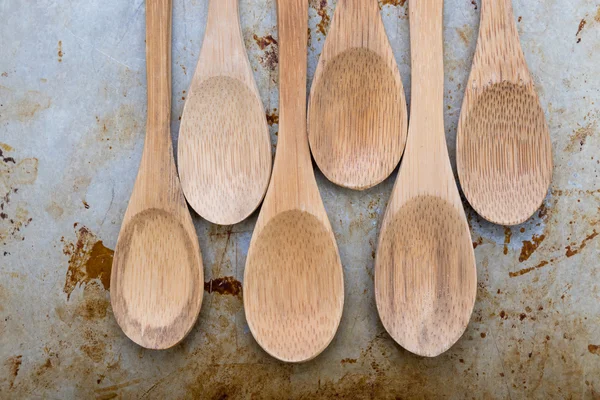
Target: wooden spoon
(157,276)
(425,276)
(224,153)
(357,110)
(504,154)
(293,282)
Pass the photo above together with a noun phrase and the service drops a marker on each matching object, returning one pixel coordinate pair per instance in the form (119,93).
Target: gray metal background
(72,118)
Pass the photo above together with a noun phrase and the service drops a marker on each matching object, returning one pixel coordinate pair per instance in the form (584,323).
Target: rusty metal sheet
(72,112)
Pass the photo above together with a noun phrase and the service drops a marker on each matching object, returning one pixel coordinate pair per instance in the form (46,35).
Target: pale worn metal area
(72,120)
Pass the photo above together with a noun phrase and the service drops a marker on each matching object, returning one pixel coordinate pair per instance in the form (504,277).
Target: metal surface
(72,119)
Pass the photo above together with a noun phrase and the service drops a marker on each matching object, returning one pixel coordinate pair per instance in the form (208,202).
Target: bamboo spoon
(504,154)
(224,153)
(293,282)
(157,273)
(425,276)
(357,110)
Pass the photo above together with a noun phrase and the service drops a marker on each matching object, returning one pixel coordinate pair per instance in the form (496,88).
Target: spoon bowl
(357,110)
(427,242)
(298,253)
(155,275)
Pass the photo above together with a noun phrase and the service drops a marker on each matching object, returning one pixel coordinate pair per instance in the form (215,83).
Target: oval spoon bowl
(293,283)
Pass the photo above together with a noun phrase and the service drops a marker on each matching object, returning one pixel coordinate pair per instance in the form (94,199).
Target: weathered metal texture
(72,112)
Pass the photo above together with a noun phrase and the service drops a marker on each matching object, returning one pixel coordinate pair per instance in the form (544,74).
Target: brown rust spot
(503,315)
(94,347)
(527,270)
(13,364)
(348,361)
(594,349)
(478,242)
(597,17)
(89,260)
(226,285)
(465,34)
(22,108)
(581,26)
(321,7)
(265,41)
(571,252)
(272,117)
(522,316)
(507,237)
(394,3)
(578,138)
(483,335)
(474,3)
(95,303)
(60,51)
(530,246)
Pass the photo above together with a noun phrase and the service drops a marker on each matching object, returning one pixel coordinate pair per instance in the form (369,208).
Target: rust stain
(23,108)
(265,41)
(507,237)
(348,361)
(60,51)
(579,137)
(528,270)
(571,252)
(530,246)
(94,348)
(597,17)
(95,303)
(226,285)
(581,26)
(321,7)
(14,216)
(465,33)
(594,349)
(273,117)
(474,3)
(394,3)
(89,260)
(13,364)
(478,242)
(5,147)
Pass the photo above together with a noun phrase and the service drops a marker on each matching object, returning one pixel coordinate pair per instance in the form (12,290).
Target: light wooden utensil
(425,276)
(157,276)
(293,282)
(504,154)
(357,110)
(224,153)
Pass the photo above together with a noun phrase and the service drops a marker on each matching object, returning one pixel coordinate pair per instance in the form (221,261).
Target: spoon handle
(427,65)
(158,70)
(499,50)
(223,51)
(292,17)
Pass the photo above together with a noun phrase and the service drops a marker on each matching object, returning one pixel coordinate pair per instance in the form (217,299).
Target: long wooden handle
(427,59)
(158,70)
(292,20)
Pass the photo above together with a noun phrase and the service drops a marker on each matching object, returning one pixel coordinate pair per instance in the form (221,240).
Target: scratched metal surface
(72,117)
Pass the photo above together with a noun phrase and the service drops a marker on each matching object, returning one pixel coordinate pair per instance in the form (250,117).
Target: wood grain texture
(293,282)
(425,275)
(504,153)
(224,153)
(157,275)
(357,110)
